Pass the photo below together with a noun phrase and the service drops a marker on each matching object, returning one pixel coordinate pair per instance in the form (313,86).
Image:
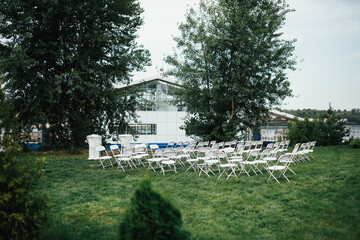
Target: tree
(150,216)
(327,128)
(232,64)
(60,61)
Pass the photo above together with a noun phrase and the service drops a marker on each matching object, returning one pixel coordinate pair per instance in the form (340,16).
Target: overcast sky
(328,43)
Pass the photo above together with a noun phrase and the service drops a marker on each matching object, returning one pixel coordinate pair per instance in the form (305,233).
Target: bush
(355,143)
(152,217)
(22,211)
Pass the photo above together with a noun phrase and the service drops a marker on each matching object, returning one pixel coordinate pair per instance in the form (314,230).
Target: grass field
(321,202)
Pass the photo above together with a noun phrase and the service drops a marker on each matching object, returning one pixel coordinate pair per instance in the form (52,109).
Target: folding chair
(180,155)
(104,158)
(117,155)
(311,149)
(228,168)
(167,161)
(139,154)
(252,162)
(286,160)
(193,164)
(155,161)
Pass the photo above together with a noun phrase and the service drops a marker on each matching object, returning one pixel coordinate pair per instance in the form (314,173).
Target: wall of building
(167,126)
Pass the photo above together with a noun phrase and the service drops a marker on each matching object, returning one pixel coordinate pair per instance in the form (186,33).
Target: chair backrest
(169,154)
(158,153)
(115,150)
(254,154)
(247,145)
(286,157)
(211,154)
(114,147)
(270,146)
(170,144)
(296,148)
(240,148)
(228,150)
(102,151)
(128,152)
(265,153)
(221,155)
(154,147)
(212,143)
(140,150)
(312,145)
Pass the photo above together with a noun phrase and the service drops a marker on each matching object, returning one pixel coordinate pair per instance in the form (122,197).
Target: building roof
(287,116)
(158,77)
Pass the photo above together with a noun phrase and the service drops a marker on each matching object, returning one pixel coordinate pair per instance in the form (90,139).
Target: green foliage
(150,216)
(352,116)
(232,63)
(60,60)
(22,210)
(355,143)
(326,129)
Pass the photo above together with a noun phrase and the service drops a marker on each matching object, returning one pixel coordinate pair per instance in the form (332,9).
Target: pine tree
(151,217)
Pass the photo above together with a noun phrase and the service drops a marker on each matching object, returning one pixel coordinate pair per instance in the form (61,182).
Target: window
(144,129)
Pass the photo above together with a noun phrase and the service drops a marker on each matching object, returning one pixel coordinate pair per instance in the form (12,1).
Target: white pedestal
(93,141)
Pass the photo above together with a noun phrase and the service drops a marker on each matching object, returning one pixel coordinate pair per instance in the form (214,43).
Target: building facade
(159,120)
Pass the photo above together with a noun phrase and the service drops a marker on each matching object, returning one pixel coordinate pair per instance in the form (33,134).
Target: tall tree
(61,58)
(232,63)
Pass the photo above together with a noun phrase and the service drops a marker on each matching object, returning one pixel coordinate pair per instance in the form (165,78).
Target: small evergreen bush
(22,210)
(151,217)
(355,143)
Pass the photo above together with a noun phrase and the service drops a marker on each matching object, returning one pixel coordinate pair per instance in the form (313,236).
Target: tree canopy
(232,63)
(61,58)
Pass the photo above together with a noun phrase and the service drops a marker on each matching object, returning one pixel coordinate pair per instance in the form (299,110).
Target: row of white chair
(205,160)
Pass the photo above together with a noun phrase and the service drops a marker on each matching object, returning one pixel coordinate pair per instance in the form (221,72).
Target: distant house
(276,128)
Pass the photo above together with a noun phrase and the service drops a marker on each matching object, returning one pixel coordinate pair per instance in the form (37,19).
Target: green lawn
(321,202)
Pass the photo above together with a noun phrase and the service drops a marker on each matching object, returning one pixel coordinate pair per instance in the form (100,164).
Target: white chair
(117,155)
(139,154)
(167,163)
(270,156)
(153,148)
(181,155)
(155,161)
(212,143)
(281,166)
(311,149)
(252,162)
(228,167)
(104,158)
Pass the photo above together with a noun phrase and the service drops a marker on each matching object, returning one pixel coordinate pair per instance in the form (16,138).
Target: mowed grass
(321,202)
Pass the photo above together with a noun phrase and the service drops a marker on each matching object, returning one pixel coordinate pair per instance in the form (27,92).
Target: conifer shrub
(22,210)
(152,217)
(355,143)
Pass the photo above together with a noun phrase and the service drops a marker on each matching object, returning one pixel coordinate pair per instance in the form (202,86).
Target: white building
(159,120)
